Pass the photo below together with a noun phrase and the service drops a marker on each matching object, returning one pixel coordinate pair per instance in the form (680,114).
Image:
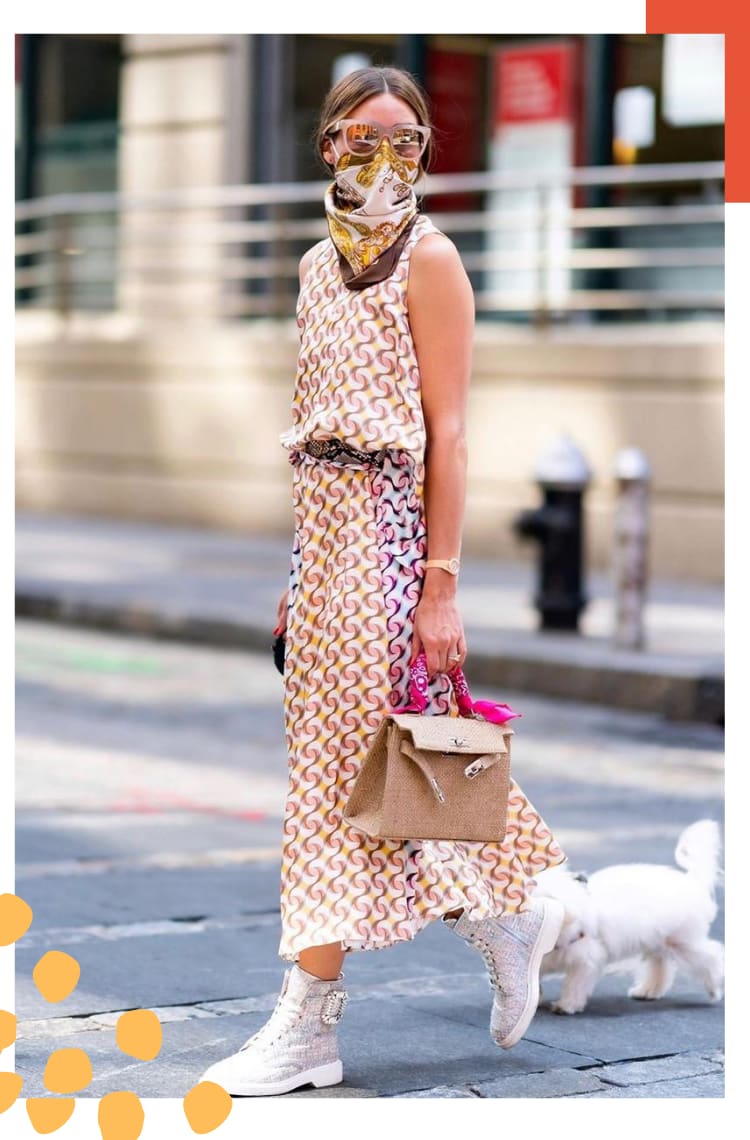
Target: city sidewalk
(223,589)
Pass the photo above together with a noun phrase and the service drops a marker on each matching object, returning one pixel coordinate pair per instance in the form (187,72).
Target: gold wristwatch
(452,565)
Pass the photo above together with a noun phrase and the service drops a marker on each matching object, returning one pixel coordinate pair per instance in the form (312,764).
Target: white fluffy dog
(655,913)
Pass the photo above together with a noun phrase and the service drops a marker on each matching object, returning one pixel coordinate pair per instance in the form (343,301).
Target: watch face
(453,565)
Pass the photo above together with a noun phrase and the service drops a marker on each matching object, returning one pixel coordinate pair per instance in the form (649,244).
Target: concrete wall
(178,130)
(182,425)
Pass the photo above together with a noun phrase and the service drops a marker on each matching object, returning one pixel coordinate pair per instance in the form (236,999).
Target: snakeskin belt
(340,449)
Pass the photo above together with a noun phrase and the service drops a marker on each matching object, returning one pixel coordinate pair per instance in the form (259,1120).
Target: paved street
(150,784)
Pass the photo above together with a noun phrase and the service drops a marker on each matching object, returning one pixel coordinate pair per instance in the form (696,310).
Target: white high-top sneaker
(513,947)
(296,1046)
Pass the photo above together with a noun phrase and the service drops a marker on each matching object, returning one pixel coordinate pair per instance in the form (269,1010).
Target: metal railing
(628,239)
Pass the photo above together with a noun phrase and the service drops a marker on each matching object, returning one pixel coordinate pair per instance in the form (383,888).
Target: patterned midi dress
(356,573)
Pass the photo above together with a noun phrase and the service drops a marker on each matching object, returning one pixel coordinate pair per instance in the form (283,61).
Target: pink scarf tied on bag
(494,711)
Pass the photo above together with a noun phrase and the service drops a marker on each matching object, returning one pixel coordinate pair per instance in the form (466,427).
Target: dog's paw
(643,993)
(558,1007)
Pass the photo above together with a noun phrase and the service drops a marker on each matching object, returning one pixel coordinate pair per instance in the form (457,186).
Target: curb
(673,696)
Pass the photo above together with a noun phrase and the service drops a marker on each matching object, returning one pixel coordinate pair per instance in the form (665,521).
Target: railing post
(62,265)
(279,286)
(541,310)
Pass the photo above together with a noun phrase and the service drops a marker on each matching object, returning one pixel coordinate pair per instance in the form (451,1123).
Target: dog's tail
(698,852)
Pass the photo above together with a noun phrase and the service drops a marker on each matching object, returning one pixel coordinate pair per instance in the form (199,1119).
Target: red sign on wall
(455,86)
(533,85)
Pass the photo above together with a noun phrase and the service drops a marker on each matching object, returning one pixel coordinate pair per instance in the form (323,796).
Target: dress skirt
(355,580)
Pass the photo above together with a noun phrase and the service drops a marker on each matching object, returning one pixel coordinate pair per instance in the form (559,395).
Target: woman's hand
(438,630)
(281,614)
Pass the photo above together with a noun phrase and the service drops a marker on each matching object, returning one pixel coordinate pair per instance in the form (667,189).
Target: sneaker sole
(554,913)
(320,1077)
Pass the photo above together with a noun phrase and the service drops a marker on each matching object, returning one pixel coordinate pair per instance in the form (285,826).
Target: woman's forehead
(385,109)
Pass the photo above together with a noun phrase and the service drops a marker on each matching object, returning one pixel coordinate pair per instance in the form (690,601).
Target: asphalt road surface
(150,786)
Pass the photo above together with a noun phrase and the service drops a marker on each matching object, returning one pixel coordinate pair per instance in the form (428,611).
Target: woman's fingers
(433,662)
(440,634)
(433,657)
(443,658)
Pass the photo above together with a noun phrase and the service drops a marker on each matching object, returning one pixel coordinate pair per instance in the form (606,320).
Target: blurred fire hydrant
(562,473)
(630,571)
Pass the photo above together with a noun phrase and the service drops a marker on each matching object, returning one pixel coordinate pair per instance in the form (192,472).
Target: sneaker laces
(486,950)
(281,1020)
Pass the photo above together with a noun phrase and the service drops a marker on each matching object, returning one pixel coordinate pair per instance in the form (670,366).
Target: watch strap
(452,565)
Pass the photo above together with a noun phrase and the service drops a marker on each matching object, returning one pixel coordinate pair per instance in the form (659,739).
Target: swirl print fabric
(357,376)
(355,579)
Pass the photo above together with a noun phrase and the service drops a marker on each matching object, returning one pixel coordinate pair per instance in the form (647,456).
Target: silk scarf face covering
(371,206)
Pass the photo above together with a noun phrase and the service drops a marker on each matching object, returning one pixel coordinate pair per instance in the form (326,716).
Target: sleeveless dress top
(357,374)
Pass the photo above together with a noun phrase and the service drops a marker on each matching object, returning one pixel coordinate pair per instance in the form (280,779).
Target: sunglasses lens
(409,142)
(361,138)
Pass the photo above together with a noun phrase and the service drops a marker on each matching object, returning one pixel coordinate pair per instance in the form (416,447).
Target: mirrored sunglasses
(407,139)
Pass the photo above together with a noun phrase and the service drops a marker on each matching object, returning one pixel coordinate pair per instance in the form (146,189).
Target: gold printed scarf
(371,207)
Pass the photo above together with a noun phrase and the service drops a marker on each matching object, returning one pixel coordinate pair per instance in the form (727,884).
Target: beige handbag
(436,777)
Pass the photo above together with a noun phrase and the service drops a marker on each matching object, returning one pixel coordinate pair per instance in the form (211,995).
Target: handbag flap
(458,734)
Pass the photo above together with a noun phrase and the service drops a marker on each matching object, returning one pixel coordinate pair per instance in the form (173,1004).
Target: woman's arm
(441,315)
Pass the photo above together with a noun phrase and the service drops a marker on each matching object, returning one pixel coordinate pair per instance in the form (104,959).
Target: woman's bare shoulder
(436,267)
(433,249)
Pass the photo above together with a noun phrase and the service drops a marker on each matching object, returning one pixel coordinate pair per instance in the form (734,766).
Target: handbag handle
(419,681)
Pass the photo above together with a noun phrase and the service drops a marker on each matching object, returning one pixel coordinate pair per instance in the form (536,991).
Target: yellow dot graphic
(67,1071)
(120,1116)
(206,1106)
(10,1087)
(7,1029)
(139,1034)
(56,975)
(15,918)
(48,1115)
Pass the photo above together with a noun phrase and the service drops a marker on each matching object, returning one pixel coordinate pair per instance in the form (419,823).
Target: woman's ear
(327,153)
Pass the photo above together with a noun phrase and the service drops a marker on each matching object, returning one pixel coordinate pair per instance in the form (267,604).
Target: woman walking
(378,451)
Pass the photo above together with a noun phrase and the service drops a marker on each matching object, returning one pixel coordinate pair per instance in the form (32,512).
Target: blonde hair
(359,85)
